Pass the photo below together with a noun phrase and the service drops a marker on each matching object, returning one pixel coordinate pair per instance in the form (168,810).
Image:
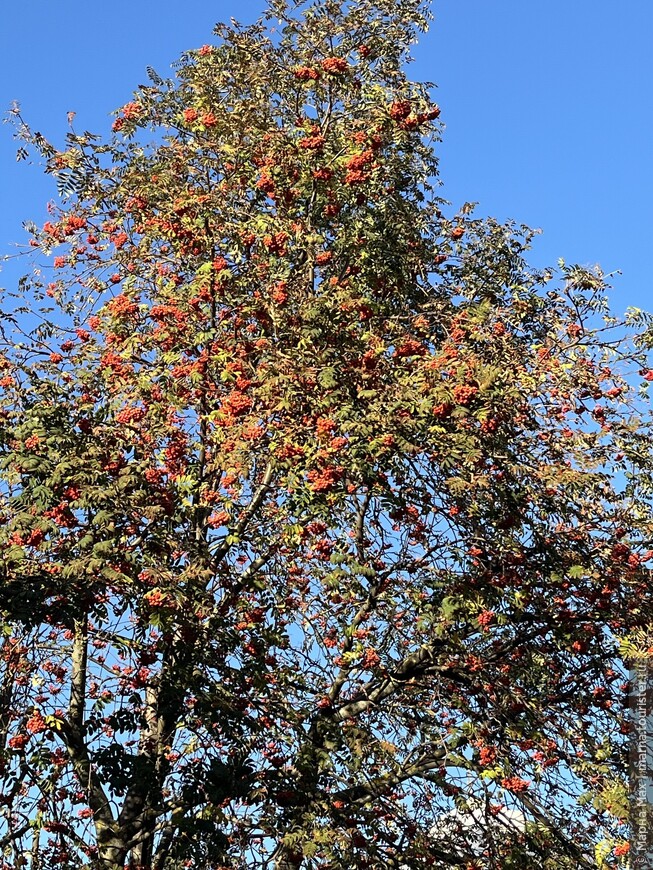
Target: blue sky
(546,104)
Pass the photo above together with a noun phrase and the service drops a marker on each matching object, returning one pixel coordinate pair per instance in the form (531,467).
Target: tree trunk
(141,855)
(112,852)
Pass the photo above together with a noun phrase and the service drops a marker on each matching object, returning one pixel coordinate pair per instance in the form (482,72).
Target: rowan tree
(323,513)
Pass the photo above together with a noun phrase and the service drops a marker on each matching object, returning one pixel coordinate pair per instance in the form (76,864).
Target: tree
(311,524)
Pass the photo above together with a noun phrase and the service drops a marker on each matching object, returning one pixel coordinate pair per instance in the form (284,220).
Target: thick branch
(412,666)
(247,514)
(97,799)
(376,788)
(14,835)
(78,676)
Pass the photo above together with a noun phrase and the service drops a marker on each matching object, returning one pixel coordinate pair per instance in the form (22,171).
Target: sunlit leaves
(308,487)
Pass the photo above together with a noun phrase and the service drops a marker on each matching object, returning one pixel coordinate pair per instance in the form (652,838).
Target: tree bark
(112,850)
(288,859)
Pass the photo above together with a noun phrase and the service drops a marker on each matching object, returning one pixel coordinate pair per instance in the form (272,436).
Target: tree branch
(98,801)
(78,676)
(247,514)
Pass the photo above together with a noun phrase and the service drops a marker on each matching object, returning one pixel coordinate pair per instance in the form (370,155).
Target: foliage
(322,513)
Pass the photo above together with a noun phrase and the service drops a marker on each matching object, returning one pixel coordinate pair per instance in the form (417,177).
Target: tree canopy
(323,513)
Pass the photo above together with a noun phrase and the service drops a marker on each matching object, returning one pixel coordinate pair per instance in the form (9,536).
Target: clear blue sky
(547,105)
